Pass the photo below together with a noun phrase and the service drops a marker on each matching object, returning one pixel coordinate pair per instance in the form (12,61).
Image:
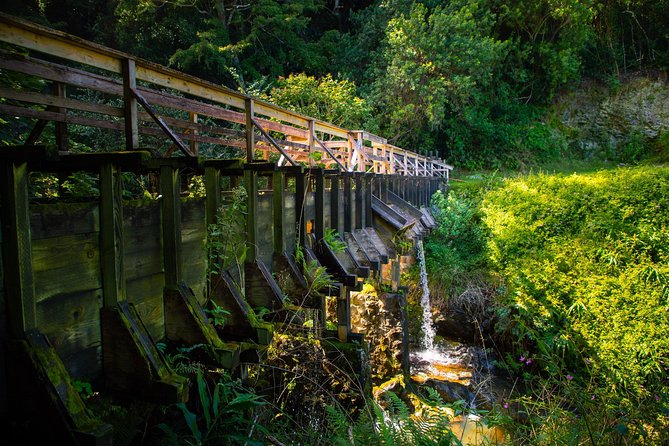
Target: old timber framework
(90,286)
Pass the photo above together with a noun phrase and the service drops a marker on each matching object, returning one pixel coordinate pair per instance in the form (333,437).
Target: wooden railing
(96,86)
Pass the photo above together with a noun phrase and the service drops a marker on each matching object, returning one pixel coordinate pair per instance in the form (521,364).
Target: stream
(457,371)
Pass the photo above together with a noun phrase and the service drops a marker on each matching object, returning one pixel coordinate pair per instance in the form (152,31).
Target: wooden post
(343,313)
(368,199)
(250,136)
(251,182)
(319,204)
(130,105)
(111,235)
(300,203)
(170,186)
(359,197)
(278,210)
(311,141)
(16,249)
(348,203)
(334,202)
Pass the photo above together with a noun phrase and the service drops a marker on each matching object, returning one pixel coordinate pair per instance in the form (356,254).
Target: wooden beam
(130,105)
(334,202)
(175,139)
(300,203)
(348,203)
(278,211)
(111,236)
(251,183)
(319,204)
(16,249)
(170,207)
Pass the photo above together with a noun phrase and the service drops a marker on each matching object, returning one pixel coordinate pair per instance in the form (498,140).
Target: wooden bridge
(89,285)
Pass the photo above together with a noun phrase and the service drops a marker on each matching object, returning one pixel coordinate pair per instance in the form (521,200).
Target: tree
(328,99)
(438,63)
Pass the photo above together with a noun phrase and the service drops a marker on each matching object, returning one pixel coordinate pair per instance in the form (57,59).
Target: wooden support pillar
(278,211)
(300,203)
(359,198)
(348,203)
(170,188)
(250,135)
(251,182)
(368,199)
(311,141)
(395,271)
(334,202)
(130,104)
(319,202)
(343,313)
(111,235)
(16,249)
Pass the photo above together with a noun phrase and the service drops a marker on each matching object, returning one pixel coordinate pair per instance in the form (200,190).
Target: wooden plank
(56,101)
(111,235)
(276,112)
(59,73)
(55,43)
(72,323)
(146,293)
(16,244)
(330,129)
(66,264)
(54,220)
(165,77)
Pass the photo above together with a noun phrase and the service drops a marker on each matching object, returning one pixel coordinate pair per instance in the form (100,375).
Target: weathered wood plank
(66,264)
(72,323)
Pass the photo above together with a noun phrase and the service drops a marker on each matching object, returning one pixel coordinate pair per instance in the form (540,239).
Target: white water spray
(428,326)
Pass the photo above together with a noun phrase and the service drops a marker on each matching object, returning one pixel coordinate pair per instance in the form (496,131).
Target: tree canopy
(466,78)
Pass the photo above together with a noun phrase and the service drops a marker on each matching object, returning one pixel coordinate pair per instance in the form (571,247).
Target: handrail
(221,104)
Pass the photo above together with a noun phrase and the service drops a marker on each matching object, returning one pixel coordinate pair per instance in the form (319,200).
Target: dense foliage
(469,79)
(582,260)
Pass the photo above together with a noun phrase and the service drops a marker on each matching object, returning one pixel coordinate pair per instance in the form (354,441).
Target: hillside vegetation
(579,269)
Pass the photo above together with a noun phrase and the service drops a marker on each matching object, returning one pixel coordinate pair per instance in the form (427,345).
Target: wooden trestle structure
(89,287)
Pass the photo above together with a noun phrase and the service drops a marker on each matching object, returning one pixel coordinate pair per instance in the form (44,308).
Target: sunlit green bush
(586,262)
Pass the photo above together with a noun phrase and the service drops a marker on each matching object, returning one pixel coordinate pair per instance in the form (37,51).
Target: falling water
(428,326)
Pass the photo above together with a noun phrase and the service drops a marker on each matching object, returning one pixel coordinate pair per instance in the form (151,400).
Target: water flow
(428,326)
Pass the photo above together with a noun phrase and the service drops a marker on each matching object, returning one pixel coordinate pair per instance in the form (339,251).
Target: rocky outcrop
(608,121)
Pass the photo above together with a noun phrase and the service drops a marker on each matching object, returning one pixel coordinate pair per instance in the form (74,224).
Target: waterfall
(428,326)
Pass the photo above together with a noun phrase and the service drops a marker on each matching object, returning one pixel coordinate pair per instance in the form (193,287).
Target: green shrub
(585,259)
